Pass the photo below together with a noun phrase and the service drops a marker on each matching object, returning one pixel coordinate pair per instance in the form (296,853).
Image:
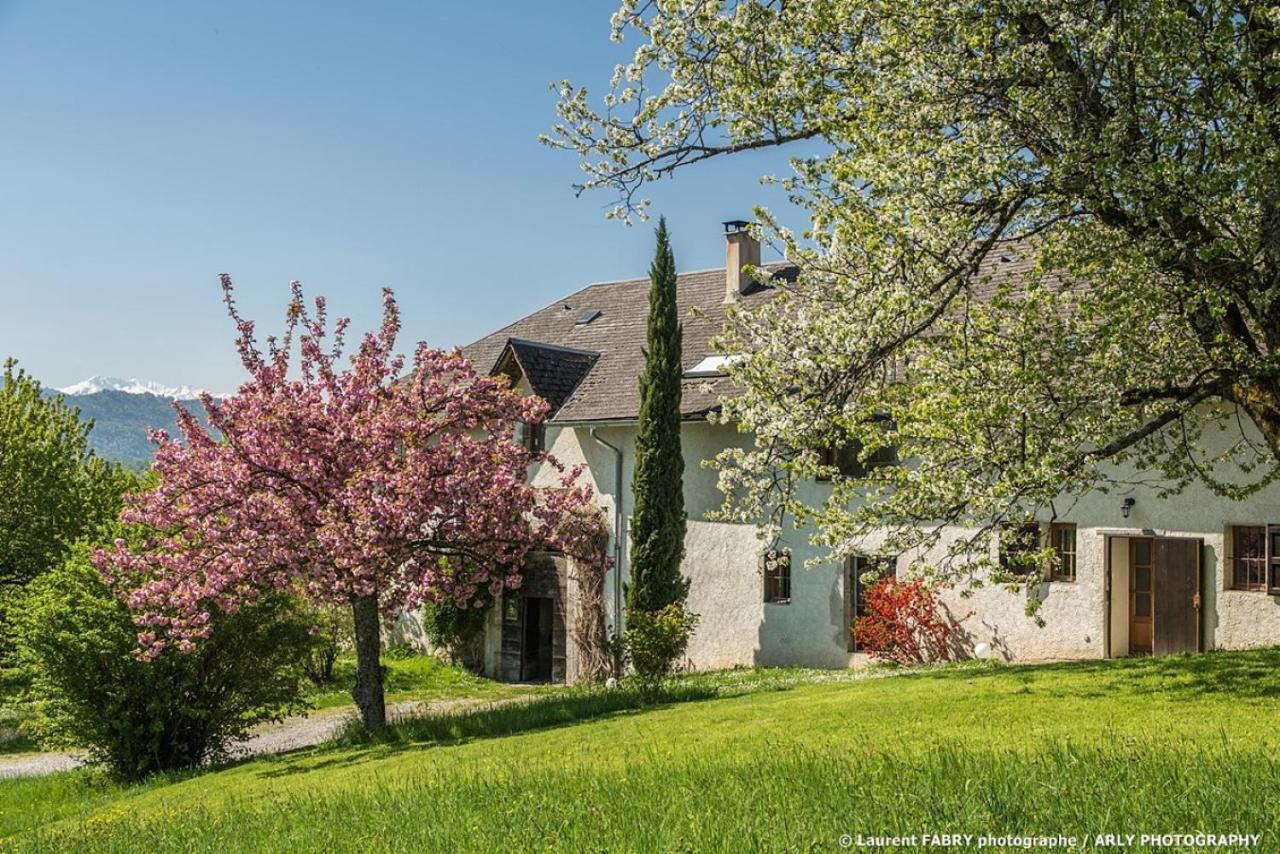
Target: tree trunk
(368,690)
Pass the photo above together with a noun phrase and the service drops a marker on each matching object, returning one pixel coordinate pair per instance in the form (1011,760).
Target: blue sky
(148,146)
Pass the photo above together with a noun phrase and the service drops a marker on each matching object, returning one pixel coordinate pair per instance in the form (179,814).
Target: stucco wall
(1246,620)
(1073,613)
(1076,613)
(738,627)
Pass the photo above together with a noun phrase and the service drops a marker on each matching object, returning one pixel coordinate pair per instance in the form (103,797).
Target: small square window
(533,437)
(848,462)
(776,565)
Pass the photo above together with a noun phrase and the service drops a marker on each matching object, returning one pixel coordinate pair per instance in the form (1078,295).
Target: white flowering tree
(1044,253)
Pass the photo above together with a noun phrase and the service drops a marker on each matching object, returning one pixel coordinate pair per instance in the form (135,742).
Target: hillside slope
(121,420)
(1160,746)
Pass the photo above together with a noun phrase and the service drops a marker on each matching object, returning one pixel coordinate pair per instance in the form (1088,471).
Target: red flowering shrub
(902,622)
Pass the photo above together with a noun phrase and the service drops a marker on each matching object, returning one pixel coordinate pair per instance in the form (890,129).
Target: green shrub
(456,632)
(656,641)
(77,641)
(331,627)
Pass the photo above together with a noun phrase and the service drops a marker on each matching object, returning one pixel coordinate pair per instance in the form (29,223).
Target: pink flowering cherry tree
(347,482)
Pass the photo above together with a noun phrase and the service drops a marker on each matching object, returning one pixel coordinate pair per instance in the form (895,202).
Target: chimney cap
(734,226)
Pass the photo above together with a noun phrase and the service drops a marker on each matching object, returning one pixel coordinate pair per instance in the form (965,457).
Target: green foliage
(55,489)
(658,516)
(447,625)
(1041,238)
(655,641)
(457,632)
(333,635)
(181,709)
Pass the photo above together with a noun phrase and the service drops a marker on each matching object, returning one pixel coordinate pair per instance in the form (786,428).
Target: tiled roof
(609,391)
(553,372)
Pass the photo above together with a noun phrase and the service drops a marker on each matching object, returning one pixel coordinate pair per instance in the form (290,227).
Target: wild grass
(36,801)
(786,798)
(754,760)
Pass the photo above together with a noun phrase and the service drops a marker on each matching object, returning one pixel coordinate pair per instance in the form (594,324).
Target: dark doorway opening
(536,652)
(534,635)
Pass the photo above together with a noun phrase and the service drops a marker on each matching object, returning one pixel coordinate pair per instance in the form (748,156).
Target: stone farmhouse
(1135,574)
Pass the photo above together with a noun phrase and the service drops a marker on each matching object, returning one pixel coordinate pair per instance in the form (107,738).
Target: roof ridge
(547,346)
(781,262)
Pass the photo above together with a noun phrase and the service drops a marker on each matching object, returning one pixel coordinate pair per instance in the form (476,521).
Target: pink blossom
(337,478)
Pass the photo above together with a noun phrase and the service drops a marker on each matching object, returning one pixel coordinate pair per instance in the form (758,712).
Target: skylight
(587,316)
(712,366)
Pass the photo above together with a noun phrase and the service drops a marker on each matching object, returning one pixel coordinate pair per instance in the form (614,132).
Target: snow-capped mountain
(123,411)
(93,385)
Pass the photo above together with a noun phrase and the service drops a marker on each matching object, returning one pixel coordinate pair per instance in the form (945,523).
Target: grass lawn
(413,677)
(741,760)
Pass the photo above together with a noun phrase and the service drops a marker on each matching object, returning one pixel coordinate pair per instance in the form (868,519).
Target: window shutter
(855,590)
(1272,552)
(1228,558)
(1046,541)
(856,569)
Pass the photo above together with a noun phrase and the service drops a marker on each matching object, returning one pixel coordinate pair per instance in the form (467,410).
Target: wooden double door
(1164,595)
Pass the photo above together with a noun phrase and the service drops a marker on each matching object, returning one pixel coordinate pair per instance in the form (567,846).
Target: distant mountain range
(93,385)
(123,410)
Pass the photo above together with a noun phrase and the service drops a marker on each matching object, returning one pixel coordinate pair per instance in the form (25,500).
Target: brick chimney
(740,250)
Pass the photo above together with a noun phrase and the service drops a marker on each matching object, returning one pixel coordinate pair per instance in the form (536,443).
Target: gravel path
(37,764)
(271,738)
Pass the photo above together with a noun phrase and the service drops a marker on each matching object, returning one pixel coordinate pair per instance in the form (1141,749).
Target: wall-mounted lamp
(1126,507)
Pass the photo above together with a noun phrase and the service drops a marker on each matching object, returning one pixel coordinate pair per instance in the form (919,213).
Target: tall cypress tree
(658,518)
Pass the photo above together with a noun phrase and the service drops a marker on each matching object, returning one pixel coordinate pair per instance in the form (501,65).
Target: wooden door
(1177,595)
(1141,595)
